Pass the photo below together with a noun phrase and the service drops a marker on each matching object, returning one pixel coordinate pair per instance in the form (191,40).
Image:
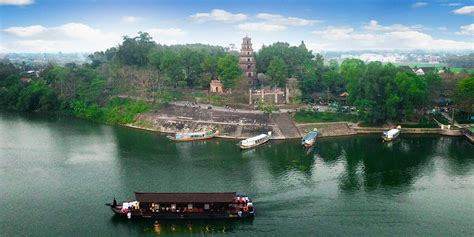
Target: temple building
(247,61)
(216,86)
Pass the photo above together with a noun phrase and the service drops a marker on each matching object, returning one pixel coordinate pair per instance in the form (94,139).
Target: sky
(324,25)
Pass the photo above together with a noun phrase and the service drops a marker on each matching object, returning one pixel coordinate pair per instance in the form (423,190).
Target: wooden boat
(193,136)
(391,134)
(310,138)
(186,206)
(254,141)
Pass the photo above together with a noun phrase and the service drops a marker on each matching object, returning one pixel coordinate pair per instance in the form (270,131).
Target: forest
(139,74)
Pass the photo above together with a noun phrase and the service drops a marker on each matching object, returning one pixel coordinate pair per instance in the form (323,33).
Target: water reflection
(165,227)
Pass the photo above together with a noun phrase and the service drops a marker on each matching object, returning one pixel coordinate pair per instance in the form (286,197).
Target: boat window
(190,206)
(206,206)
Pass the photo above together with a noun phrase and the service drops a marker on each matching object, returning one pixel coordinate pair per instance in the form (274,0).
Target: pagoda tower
(247,61)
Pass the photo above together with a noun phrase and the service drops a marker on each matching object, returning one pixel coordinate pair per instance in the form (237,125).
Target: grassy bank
(305,116)
(117,111)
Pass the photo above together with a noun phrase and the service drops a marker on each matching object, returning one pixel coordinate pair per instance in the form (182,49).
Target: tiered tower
(247,61)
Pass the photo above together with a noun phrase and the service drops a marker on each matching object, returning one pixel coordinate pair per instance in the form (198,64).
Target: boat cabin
(193,203)
(255,140)
(191,135)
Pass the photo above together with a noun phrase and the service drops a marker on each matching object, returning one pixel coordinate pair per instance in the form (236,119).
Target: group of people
(230,108)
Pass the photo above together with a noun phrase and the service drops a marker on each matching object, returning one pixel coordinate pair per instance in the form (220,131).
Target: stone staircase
(286,125)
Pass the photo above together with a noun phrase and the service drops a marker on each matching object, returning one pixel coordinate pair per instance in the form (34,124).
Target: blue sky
(90,25)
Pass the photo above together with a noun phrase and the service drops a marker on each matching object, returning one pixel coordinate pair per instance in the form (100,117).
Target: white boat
(310,138)
(193,136)
(254,141)
(391,134)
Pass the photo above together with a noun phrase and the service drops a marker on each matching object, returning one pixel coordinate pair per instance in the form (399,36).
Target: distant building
(216,86)
(423,70)
(405,68)
(247,61)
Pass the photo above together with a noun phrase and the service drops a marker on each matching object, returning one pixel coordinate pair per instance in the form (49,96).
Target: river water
(56,174)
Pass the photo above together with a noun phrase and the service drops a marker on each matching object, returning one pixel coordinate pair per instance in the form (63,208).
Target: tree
(171,66)
(37,96)
(228,70)
(277,70)
(134,51)
(464,94)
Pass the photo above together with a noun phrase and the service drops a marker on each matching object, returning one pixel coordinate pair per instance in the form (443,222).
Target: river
(57,172)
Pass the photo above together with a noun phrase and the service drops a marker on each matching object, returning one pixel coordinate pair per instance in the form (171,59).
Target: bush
(117,111)
(307,116)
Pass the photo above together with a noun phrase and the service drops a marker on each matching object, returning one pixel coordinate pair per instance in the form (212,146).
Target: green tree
(228,70)
(134,51)
(464,94)
(37,96)
(277,70)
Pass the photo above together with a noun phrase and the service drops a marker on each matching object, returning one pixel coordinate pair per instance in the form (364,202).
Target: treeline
(182,66)
(463,61)
(381,92)
(107,88)
(119,82)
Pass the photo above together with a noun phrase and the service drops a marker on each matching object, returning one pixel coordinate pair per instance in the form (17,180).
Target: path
(286,125)
(451,120)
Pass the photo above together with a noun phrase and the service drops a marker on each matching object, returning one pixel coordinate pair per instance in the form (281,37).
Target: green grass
(117,111)
(305,116)
(420,125)
(368,125)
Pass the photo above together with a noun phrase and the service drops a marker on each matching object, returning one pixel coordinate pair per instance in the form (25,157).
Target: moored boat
(391,134)
(186,206)
(310,138)
(193,136)
(254,141)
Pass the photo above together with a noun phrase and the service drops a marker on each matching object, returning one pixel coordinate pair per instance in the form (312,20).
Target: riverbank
(243,124)
(54,159)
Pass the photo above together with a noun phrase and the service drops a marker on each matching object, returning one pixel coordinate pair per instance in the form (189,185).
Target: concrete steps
(286,125)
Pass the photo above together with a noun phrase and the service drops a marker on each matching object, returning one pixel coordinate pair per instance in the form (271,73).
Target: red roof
(224,197)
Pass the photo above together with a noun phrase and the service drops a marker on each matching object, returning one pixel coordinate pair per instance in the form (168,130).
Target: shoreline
(241,124)
(357,131)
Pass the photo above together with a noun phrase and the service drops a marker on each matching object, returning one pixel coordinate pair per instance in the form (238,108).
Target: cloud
(373,25)
(466,30)
(16,2)
(167,32)
(453,4)
(346,38)
(419,4)
(467,10)
(168,35)
(70,37)
(282,20)
(260,26)
(218,15)
(25,31)
(131,19)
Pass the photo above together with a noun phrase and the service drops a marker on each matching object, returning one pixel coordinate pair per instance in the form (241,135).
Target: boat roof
(392,132)
(256,137)
(222,197)
(192,133)
(310,135)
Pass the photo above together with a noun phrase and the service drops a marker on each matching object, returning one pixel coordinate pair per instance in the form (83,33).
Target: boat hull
(184,216)
(389,139)
(252,146)
(309,139)
(309,144)
(189,139)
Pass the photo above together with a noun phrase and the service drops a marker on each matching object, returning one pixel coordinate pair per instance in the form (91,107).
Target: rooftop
(222,197)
